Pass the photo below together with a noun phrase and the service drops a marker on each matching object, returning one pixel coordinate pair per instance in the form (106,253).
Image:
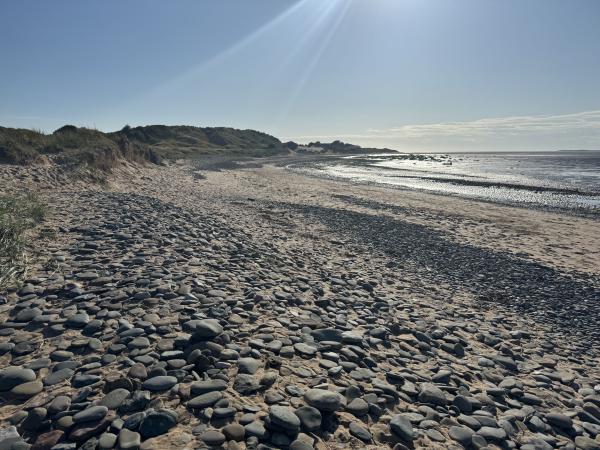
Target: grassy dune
(72,146)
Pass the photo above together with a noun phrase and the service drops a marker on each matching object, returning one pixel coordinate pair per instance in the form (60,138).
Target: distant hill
(340,147)
(73,146)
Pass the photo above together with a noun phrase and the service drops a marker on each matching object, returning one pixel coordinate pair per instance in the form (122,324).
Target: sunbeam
(304,31)
(327,27)
(247,41)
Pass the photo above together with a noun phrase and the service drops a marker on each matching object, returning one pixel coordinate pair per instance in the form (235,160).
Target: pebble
(213,437)
(158,422)
(324,400)
(129,439)
(115,398)
(285,418)
(159,383)
(28,389)
(359,431)
(207,329)
(167,327)
(400,425)
(205,400)
(13,376)
(309,417)
(91,414)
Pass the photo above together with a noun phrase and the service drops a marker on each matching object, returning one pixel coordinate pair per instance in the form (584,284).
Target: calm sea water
(569,179)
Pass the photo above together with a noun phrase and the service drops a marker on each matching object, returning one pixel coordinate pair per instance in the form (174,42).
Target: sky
(413,75)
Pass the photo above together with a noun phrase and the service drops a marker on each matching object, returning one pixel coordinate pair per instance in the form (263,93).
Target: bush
(17,215)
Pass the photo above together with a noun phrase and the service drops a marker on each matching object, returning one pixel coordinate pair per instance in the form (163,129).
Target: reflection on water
(552,179)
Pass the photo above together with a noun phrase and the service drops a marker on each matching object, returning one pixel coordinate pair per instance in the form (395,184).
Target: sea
(554,180)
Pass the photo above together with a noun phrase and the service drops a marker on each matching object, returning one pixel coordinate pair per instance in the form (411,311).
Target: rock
(560,420)
(461,434)
(310,417)
(79,320)
(94,413)
(59,404)
(432,394)
(492,433)
(8,437)
(138,371)
(159,383)
(358,407)
(506,362)
(205,330)
(268,379)
(234,432)
(81,432)
(79,381)
(47,440)
(585,443)
(13,376)
(115,398)
(28,389)
(205,400)
(34,420)
(305,350)
(359,431)
(327,334)
(129,439)
(212,437)
(256,429)
(246,384)
(285,418)
(107,441)
(242,328)
(248,365)
(137,402)
(58,376)
(157,423)
(300,445)
(87,276)
(324,400)
(202,387)
(400,425)
(27,314)
(463,404)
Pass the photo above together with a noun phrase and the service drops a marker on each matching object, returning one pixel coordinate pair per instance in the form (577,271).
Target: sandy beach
(246,305)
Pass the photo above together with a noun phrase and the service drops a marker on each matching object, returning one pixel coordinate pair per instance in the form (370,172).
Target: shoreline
(593,213)
(582,211)
(374,294)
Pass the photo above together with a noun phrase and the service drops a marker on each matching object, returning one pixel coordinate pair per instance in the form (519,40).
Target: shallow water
(566,180)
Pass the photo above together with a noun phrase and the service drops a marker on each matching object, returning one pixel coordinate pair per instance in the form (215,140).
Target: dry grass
(17,215)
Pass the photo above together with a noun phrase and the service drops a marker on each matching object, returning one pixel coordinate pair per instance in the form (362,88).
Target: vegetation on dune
(17,215)
(72,146)
(18,146)
(86,148)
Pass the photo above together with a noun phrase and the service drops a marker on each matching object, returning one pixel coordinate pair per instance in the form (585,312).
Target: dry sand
(445,314)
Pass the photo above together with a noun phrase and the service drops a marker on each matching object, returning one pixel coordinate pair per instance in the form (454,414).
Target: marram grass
(17,215)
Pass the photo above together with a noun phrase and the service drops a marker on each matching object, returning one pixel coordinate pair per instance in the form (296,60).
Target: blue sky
(414,75)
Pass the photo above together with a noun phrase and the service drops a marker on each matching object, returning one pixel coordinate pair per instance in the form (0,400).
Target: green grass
(85,148)
(18,214)
(74,147)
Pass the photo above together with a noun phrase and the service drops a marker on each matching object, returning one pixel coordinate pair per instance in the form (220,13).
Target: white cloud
(515,125)
(575,130)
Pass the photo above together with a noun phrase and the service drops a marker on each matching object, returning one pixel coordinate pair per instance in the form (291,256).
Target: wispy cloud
(575,130)
(514,125)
